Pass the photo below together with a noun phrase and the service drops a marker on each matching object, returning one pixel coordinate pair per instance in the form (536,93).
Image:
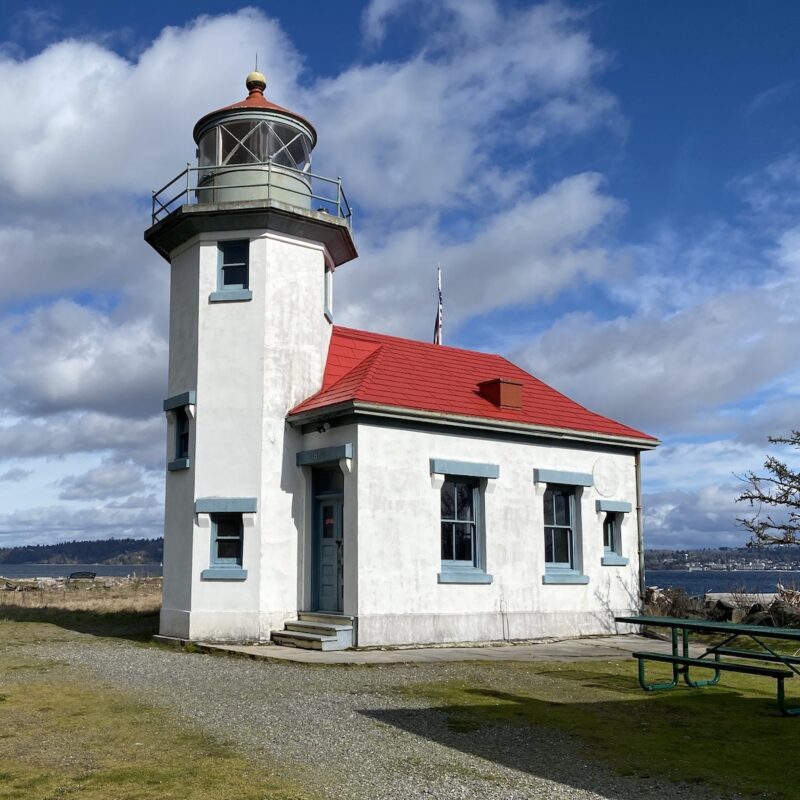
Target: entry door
(331,555)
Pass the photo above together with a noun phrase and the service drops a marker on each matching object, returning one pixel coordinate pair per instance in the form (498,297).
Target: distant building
(329,487)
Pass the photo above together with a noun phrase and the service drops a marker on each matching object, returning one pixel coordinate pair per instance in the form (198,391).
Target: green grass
(62,736)
(730,736)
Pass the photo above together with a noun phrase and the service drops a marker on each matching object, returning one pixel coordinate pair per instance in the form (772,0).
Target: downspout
(640,526)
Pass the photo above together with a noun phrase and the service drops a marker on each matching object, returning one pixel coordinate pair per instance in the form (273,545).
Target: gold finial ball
(255,80)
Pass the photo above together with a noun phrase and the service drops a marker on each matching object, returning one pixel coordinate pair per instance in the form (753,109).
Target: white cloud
(113,124)
(141,519)
(526,254)
(67,357)
(15,475)
(106,481)
(436,129)
(89,432)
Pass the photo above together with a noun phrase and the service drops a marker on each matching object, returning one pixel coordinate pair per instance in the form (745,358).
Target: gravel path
(348,734)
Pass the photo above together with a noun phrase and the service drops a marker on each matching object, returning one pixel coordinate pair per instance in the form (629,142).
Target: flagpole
(437,328)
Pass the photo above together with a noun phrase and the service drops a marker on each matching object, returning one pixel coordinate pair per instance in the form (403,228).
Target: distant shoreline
(34,571)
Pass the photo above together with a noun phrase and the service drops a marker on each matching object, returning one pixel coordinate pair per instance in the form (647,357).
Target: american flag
(437,328)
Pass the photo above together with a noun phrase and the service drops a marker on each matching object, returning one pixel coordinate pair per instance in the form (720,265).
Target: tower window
(181,433)
(329,294)
(227,540)
(233,272)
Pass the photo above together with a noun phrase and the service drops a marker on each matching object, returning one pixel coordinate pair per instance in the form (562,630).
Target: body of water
(700,582)
(63,570)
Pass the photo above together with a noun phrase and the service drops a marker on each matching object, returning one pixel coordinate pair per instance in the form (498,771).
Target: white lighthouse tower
(252,238)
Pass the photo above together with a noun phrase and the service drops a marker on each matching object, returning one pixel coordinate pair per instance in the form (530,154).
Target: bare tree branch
(778,489)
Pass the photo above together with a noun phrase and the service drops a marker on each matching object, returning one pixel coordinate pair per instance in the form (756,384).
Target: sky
(612,190)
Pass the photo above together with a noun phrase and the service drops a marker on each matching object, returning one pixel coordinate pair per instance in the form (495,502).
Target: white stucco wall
(399,598)
(249,362)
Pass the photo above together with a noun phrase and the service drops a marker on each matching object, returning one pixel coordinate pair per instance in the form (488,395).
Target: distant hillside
(101,551)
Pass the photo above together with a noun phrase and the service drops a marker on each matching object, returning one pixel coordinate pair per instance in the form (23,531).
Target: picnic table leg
(697,684)
(657,687)
(785,710)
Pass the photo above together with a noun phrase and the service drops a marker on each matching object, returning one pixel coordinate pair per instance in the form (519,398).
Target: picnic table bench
(717,657)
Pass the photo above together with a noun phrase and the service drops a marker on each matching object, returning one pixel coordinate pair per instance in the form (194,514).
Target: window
(181,433)
(329,294)
(180,408)
(559,515)
(461,534)
(613,512)
(459,527)
(562,554)
(226,548)
(610,533)
(233,273)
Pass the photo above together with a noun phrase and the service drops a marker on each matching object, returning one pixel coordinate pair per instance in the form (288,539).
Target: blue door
(330,555)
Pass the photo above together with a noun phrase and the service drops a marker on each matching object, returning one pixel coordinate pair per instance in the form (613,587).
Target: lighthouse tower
(252,238)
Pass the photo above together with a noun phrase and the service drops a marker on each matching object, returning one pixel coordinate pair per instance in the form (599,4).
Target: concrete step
(321,628)
(307,641)
(317,630)
(325,617)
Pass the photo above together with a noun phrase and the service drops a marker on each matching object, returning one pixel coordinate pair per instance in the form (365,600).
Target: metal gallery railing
(198,184)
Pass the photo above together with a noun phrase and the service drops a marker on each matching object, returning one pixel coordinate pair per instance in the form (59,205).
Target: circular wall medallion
(606,476)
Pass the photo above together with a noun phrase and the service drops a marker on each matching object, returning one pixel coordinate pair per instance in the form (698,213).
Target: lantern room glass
(254,141)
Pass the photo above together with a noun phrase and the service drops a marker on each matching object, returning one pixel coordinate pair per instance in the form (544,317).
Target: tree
(776,497)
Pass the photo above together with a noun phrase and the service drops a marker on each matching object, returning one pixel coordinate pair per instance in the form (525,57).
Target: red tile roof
(372,368)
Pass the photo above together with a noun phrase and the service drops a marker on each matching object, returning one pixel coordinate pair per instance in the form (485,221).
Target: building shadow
(513,732)
(138,626)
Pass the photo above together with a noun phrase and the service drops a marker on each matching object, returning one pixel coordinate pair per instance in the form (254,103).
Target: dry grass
(141,596)
(127,609)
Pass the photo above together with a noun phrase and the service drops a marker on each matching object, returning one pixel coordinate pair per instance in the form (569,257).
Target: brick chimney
(503,392)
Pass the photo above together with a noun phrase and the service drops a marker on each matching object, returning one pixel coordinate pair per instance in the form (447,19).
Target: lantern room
(254,150)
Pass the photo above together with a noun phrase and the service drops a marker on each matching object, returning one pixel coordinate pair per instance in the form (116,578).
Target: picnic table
(723,656)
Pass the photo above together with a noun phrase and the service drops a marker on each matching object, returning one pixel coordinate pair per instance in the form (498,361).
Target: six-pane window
(181,433)
(227,543)
(234,272)
(459,523)
(559,531)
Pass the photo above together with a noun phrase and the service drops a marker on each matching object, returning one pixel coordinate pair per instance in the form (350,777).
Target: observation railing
(195,184)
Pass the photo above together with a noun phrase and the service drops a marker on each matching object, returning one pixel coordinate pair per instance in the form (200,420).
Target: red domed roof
(255,100)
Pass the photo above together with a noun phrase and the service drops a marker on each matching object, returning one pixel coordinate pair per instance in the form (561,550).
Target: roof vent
(504,393)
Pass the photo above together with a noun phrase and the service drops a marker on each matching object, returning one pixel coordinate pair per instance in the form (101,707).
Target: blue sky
(612,189)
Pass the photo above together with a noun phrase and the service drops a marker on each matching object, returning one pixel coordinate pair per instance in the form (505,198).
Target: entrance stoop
(316,630)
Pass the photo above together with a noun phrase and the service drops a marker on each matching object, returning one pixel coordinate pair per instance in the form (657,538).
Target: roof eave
(464,421)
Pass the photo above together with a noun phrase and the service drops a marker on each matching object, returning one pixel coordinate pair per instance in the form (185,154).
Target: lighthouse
(252,237)
(328,487)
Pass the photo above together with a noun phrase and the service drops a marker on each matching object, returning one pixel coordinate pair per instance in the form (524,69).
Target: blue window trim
(454,574)
(614,560)
(225,505)
(564,576)
(230,296)
(178,464)
(468,469)
(178,400)
(614,506)
(561,476)
(324,455)
(223,574)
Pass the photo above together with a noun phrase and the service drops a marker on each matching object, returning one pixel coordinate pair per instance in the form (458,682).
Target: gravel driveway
(347,733)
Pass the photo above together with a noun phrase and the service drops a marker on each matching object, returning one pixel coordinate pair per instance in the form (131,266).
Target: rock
(783,615)
(759,618)
(721,611)
(737,615)
(756,608)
